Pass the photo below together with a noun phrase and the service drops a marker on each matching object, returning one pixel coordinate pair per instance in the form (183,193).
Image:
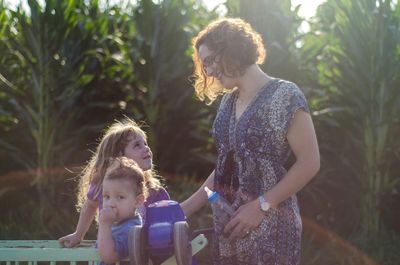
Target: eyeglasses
(209,60)
(212,58)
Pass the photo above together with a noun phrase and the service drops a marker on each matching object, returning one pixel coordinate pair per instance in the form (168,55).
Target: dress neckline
(233,122)
(251,103)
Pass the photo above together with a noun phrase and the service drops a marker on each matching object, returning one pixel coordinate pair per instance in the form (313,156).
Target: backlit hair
(236,45)
(125,168)
(112,145)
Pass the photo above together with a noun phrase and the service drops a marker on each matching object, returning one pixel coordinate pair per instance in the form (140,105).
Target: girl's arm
(199,198)
(105,241)
(86,217)
(303,142)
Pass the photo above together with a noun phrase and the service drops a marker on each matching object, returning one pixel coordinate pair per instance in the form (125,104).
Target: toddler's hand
(108,215)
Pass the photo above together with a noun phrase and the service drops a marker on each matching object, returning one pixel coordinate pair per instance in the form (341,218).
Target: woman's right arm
(86,217)
(199,198)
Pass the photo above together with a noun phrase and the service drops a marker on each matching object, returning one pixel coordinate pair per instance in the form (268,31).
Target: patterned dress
(252,152)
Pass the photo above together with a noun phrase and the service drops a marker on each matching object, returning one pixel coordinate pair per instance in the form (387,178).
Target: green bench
(38,252)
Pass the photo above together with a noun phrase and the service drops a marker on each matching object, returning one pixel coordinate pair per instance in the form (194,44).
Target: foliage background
(68,68)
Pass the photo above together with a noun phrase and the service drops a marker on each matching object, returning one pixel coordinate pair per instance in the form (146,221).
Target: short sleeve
(92,192)
(286,101)
(163,194)
(157,195)
(91,195)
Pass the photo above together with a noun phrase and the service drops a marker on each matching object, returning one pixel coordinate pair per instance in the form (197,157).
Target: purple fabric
(91,195)
(156,195)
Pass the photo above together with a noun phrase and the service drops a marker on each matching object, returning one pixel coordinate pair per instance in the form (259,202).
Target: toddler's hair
(125,168)
(112,145)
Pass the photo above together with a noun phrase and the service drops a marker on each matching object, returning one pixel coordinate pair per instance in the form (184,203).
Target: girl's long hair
(112,145)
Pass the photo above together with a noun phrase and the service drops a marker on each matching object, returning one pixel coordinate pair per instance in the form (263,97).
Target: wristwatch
(264,205)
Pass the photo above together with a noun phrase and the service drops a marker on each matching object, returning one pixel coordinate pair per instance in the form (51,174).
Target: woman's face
(212,67)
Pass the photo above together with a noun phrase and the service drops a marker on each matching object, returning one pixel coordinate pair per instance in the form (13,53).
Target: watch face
(265,206)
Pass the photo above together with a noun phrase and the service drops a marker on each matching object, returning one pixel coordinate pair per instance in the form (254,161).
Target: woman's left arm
(303,142)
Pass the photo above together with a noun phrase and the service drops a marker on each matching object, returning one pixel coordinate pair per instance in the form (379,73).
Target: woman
(259,122)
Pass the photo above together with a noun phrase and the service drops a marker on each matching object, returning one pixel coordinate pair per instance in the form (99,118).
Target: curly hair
(237,46)
(125,168)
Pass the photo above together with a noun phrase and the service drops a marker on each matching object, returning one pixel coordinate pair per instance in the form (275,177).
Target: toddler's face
(118,195)
(138,150)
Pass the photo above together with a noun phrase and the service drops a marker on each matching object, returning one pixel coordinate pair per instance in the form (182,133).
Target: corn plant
(356,49)
(55,53)
(177,124)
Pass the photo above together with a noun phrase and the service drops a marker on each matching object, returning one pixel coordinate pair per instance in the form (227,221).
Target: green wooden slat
(45,250)
(72,263)
(29,243)
(49,254)
(40,243)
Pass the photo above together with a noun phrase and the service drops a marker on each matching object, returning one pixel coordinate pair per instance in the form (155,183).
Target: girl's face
(212,68)
(138,150)
(118,194)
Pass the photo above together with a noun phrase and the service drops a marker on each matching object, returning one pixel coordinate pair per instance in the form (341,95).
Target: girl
(122,138)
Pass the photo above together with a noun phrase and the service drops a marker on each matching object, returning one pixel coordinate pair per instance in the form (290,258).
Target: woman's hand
(246,218)
(70,241)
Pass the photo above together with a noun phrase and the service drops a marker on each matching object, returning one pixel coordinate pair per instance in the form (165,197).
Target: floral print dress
(252,152)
